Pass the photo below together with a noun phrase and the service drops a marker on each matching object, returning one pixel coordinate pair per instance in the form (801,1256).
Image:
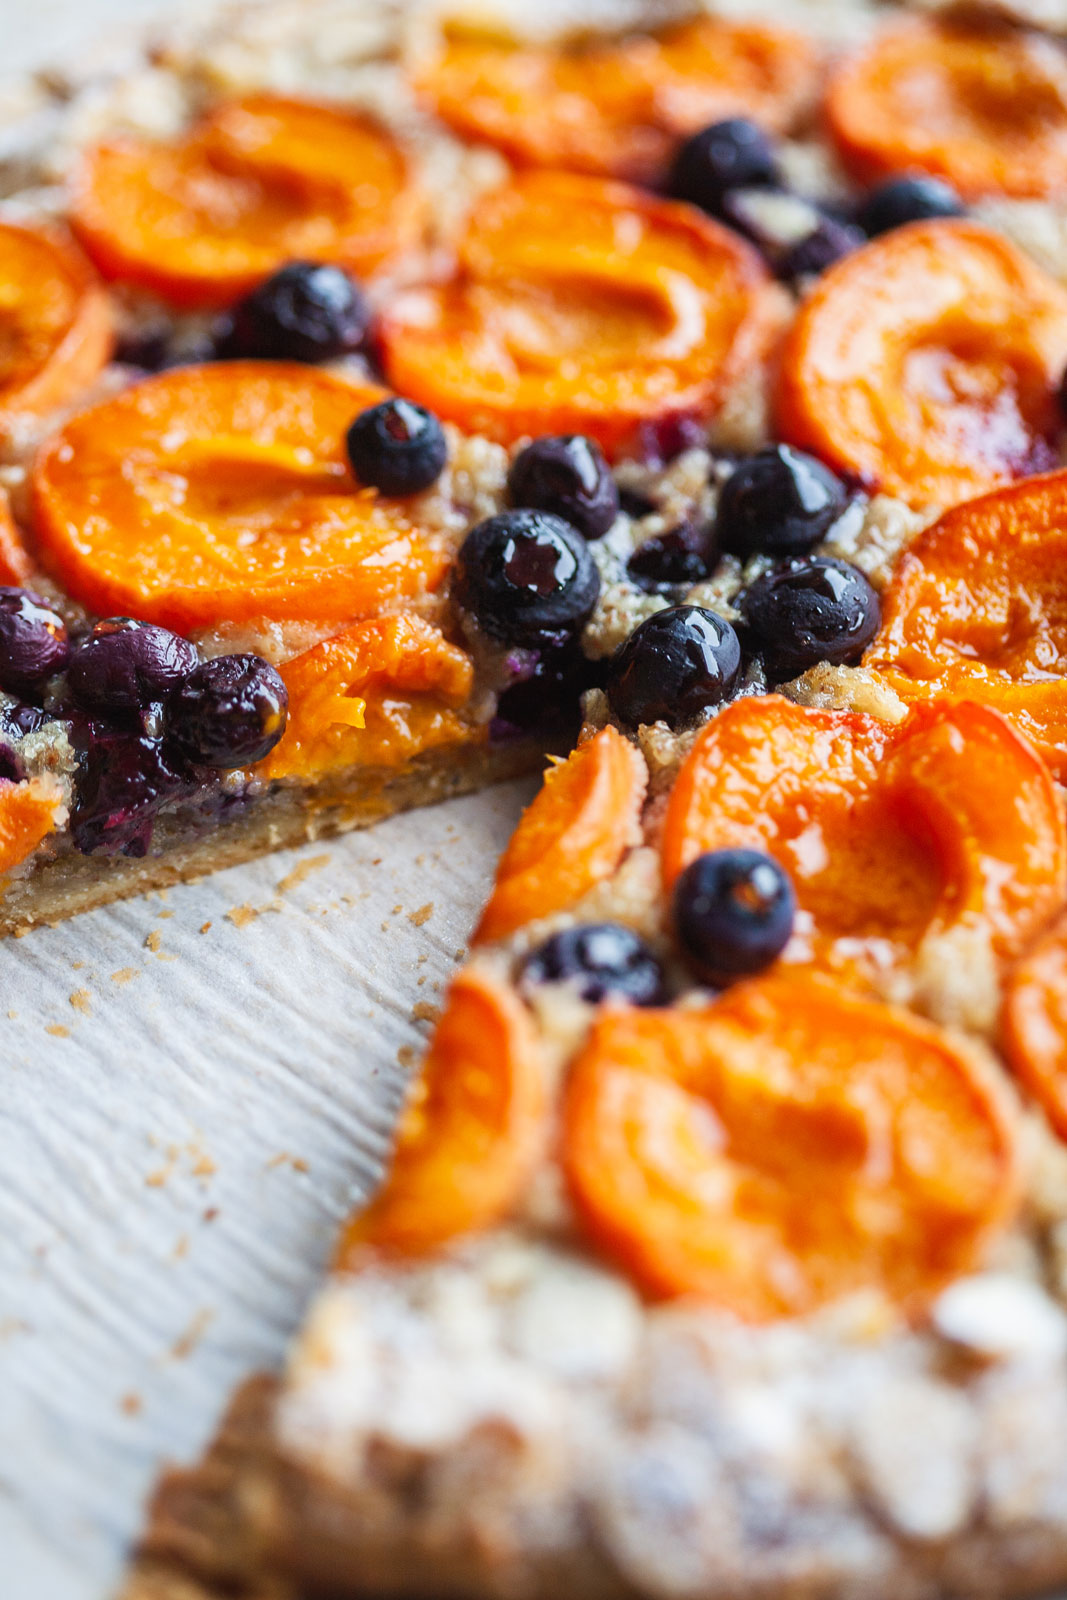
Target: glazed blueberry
(33,640)
(397,447)
(733,913)
(160,346)
(735,154)
(230,712)
(544,692)
(307,311)
(524,574)
(808,610)
(682,555)
(673,666)
(125,665)
(825,244)
(567,475)
(908,199)
(779,502)
(122,782)
(601,959)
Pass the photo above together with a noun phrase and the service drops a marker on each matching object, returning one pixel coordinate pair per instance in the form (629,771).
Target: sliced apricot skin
(1034,1024)
(222,493)
(688,1137)
(572,836)
(977,610)
(258,182)
(472,1133)
(580,305)
(983,108)
(15,564)
(927,363)
(376,695)
(27,816)
(885,831)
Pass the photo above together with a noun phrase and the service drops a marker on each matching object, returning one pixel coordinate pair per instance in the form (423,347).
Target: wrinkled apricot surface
(473,1130)
(1034,1024)
(889,833)
(927,364)
(786,1146)
(258,182)
(27,816)
(984,108)
(376,695)
(55,323)
(223,492)
(617,109)
(15,564)
(571,837)
(579,305)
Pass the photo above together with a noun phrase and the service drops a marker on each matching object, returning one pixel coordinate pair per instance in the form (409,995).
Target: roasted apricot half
(889,833)
(580,305)
(985,108)
(222,493)
(258,182)
(1034,1024)
(788,1145)
(927,364)
(473,1130)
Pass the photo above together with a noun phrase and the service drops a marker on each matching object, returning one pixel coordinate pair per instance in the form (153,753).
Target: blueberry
(230,712)
(122,782)
(909,199)
(682,555)
(567,475)
(827,242)
(778,502)
(808,610)
(734,154)
(524,574)
(33,640)
(733,913)
(544,692)
(307,311)
(602,959)
(397,447)
(675,665)
(160,346)
(123,665)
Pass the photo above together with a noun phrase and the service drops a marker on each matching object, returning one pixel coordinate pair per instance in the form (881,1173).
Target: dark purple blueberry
(733,913)
(397,447)
(778,502)
(913,198)
(230,712)
(663,439)
(635,504)
(123,665)
(567,475)
(523,574)
(810,609)
(544,695)
(825,244)
(674,666)
(33,640)
(307,311)
(122,782)
(18,719)
(682,555)
(602,960)
(734,154)
(161,346)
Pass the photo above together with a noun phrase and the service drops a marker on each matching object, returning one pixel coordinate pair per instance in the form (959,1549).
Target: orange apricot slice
(571,837)
(55,323)
(473,1130)
(15,564)
(927,364)
(221,493)
(580,305)
(258,182)
(984,108)
(377,695)
(889,833)
(1034,1024)
(788,1145)
(27,816)
(617,109)
(977,610)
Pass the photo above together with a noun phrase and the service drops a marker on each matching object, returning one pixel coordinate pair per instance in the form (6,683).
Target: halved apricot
(985,108)
(473,1130)
(258,182)
(616,109)
(1034,1024)
(220,493)
(27,816)
(580,305)
(15,563)
(927,364)
(788,1145)
(572,836)
(378,694)
(55,323)
(889,833)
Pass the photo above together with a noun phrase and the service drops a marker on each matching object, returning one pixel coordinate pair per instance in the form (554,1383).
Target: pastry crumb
(424,1011)
(301,872)
(241,916)
(204,927)
(57,1030)
(80,1001)
(125,974)
(422,915)
(131,1404)
(152,941)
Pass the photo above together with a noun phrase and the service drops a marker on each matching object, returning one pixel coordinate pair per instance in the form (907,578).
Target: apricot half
(1034,1024)
(28,813)
(15,564)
